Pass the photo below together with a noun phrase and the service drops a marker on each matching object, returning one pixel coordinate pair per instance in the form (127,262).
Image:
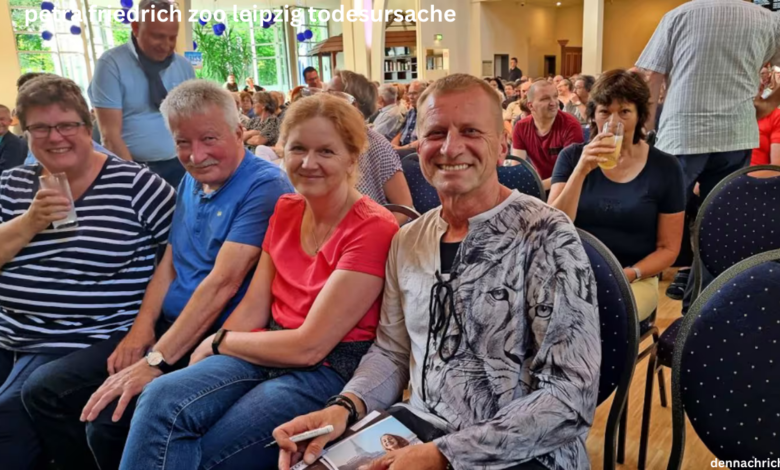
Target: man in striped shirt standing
(69,292)
(223,207)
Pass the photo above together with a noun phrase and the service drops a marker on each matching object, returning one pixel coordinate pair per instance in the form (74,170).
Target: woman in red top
(768,151)
(308,317)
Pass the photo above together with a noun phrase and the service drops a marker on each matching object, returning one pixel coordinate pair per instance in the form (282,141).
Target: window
(63,54)
(320,33)
(270,57)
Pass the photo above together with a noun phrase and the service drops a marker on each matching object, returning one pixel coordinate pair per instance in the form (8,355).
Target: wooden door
(571,59)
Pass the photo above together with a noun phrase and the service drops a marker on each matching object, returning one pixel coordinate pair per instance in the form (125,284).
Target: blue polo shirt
(237,212)
(120,83)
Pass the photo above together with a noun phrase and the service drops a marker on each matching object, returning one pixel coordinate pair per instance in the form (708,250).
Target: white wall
(455,39)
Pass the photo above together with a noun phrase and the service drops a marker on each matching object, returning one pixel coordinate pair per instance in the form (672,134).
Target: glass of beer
(59,183)
(614,127)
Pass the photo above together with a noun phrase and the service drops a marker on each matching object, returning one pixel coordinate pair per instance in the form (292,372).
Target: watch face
(154,358)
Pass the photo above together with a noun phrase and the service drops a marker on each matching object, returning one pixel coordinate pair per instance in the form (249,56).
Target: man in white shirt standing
(708,48)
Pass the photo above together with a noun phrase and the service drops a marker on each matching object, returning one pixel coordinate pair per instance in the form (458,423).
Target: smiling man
(489,308)
(222,212)
(130,83)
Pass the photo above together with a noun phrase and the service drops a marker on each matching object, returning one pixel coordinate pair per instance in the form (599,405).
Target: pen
(308,435)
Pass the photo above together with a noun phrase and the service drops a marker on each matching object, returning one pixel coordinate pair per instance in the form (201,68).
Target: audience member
(250,85)
(263,129)
(498,85)
(577,107)
(242,118)
(511,95)
(247,106)
(407,138)
(711,137)
(31,160)
(514,110)
(380,173)
(279,97)
(68,294)
(556,80)
(766,79)
(231,84)
(768,150)
(636,208)
(222,212)
(514,72)
(13,150)
(514,295)
(389,121)
(565,94)
(312,77)
(130,83)
(309,316)
(543,135)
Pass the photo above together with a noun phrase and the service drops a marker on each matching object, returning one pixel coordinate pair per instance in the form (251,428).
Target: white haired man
(390,118)
(489,307)
(222,212)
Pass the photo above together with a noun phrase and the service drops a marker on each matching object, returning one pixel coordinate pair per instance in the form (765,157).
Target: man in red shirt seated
(543,134)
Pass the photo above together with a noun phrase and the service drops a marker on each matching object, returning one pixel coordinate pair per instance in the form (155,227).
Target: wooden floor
(660,443)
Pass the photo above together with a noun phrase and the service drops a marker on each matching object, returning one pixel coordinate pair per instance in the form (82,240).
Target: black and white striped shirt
(73,287)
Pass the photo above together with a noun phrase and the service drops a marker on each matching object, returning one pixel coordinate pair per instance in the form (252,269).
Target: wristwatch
(218,340)
(637,273)
(156,359)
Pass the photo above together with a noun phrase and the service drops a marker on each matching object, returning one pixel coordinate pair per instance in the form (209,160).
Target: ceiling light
(558,4)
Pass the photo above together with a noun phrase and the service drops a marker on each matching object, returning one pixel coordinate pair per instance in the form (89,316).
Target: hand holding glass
(59,183)
(614,127)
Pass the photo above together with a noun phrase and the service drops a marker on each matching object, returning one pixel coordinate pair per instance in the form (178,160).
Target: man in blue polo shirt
(130,83)
(223,207)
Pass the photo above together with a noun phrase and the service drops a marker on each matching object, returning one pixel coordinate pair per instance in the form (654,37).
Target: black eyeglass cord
(441,311)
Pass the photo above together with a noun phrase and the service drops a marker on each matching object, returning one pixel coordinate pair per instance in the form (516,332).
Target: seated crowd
(271,293)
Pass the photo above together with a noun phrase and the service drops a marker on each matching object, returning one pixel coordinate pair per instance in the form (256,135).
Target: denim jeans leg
(20,447)
(238,440)
(171,171)
(55,395)
(175,410)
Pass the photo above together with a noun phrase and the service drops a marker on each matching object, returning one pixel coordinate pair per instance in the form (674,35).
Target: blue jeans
(171,170)
(219,414)
(20,448)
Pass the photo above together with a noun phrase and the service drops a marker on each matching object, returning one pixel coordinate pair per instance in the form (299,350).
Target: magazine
(367,440)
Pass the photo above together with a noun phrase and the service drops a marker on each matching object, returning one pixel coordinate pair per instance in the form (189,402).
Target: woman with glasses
(68,294)
(309,316)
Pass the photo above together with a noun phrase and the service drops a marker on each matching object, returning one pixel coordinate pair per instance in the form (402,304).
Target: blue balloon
(202,23)
(266,25)
(47,35)
(194,46)
(308,33)
(69,15)
(47,6)
(126,3)
(75,30)
(125,16)
(218,29)
(301,37)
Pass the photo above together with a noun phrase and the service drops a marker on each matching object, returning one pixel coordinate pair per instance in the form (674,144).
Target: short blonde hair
(347,120)
(455,83)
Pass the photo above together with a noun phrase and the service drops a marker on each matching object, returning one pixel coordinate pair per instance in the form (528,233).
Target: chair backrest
(522,177)
(405,210)
(424,196)
(740,218)
(619,335)
(412,156)
(726,366)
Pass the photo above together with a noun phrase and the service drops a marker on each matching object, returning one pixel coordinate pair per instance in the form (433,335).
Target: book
(367,440)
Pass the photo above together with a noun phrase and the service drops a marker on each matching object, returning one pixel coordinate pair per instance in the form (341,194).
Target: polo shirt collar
(198,187)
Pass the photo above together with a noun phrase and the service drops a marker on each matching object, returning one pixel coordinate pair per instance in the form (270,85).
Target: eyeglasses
(65,129)
(338,94)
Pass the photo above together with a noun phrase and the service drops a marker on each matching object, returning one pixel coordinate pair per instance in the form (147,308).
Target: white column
(592,36)
(184,39)
(377,48)
(356,50)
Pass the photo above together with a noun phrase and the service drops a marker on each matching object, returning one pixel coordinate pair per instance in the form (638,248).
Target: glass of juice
(614,127)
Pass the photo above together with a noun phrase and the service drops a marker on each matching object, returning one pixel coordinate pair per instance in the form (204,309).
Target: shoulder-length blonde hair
(347,120)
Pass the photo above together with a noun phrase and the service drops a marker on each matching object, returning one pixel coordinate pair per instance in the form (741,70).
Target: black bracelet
(346,403)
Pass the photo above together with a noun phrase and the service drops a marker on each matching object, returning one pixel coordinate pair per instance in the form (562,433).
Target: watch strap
(218,340)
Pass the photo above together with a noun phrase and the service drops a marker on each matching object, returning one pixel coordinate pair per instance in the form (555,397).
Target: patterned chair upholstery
(726,367)
(739,219)
(424,196)
(522,177)
(619,335)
